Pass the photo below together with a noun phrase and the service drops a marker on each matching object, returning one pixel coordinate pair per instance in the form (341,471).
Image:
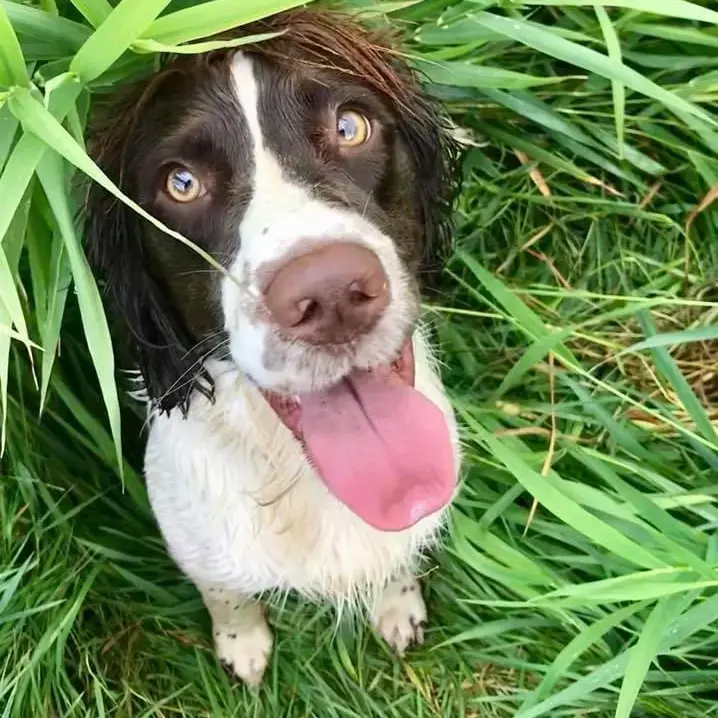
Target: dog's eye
(353,129)
(182,186)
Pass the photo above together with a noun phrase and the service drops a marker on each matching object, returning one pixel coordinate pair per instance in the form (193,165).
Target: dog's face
(317,176)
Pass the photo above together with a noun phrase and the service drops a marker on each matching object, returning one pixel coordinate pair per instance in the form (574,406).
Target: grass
(578,326)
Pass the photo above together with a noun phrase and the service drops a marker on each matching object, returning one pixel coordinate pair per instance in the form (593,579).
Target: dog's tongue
(381,447)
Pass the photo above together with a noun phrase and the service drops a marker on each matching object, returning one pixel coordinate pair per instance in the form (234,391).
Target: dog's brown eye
(353,129)
(182,186)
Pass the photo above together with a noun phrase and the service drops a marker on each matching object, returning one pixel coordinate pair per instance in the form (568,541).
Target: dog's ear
(436,155)
(158,342)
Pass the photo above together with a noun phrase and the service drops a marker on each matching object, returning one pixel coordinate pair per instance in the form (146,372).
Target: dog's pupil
(347,127)
(182,181)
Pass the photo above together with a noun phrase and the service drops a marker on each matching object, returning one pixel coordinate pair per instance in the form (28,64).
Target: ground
(577,326)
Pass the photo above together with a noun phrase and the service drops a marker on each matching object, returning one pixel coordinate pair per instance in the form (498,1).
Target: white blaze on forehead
(271,223)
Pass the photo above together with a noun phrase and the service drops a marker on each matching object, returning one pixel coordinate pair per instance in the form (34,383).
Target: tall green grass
(578,327)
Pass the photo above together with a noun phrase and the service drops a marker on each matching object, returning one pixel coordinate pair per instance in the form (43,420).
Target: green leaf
(64,35)
(25,156)
(673,33)
(667,366)
(10,250)
(57,290)
(669,339)
(696,619)
(467,74)
(669,8)
(541,39)
(94,11)
(97,333)
(613,46)
(105,46)
(200,47)
(527,320)
(574,648)
(36,119)
(212,17)
(535,353)
(630,587)
(12,63)
(663,613)
(559,504)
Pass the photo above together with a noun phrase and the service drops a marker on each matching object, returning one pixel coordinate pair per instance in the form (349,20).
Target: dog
(299,434)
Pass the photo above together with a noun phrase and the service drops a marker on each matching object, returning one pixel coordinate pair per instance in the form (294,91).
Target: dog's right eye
(183,186)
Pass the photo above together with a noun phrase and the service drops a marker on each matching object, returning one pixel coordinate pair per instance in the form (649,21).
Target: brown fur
(166,297)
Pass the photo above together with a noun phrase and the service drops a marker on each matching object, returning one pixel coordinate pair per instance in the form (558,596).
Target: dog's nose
(329,295)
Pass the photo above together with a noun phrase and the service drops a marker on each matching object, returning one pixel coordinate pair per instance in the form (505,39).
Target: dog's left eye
(182,185)
(353,129)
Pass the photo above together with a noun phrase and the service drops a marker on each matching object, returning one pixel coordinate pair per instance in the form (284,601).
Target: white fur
(399,615)
(241,508)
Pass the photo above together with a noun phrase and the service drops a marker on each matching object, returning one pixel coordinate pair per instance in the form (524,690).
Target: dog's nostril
(356,295)
(309,310)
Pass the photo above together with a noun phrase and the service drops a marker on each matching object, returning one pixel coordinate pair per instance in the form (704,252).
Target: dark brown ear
(158,342)
(436,157)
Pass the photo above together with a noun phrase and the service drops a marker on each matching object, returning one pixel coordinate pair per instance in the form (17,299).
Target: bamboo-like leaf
(668,8)
(124,25)
(12,63)
(613,46)
(97,332)
(209,18)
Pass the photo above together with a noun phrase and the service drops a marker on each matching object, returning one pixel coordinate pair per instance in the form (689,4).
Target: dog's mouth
(380,446)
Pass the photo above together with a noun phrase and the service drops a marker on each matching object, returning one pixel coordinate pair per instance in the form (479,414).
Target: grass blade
(105,46)
(679,384)
(212,17)
(545,41)
(12,63)
(465,74)
(663,613)
(613,47)
(669,8)
(97,333)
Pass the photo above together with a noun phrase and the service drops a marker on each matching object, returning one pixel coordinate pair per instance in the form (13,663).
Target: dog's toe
(245,654)
(400,614)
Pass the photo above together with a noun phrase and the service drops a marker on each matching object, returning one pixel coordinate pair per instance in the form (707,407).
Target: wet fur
(239,505)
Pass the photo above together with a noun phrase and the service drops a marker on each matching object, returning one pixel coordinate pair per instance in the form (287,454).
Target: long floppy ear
(159,344)
(436,157)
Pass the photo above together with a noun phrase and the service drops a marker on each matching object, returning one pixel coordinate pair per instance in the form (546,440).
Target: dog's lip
(287,406)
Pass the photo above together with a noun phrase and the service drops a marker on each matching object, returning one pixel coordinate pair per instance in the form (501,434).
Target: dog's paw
(245,653)
(400,614)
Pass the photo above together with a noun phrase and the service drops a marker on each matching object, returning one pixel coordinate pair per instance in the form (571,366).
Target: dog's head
(314,169)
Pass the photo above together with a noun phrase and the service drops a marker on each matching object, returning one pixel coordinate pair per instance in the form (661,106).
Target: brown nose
(330,295)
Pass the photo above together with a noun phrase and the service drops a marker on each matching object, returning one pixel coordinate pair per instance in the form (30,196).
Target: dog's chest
(240,507)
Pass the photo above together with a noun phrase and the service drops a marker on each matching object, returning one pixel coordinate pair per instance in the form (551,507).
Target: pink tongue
(381,447)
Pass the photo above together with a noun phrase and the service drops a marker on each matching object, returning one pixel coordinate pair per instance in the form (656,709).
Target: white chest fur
(240,507)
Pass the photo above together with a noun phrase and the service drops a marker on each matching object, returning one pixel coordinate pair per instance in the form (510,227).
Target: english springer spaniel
(299,437)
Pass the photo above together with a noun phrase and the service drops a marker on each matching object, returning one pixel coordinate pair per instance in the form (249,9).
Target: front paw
(400,614)
(244,652)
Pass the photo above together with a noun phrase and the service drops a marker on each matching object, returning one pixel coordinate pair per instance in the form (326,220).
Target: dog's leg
(242,637)
(399,615)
